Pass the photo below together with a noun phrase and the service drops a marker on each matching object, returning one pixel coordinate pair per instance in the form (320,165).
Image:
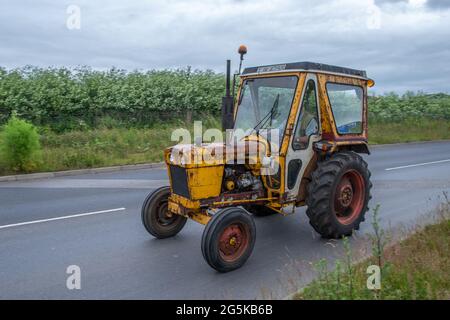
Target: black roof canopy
(305,65)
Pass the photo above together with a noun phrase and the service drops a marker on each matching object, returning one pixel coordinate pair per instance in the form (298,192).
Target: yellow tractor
(302,127)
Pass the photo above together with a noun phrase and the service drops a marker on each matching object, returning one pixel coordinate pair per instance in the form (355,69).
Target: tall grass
(115,144)
(414,268)
(408,131)
(106,145)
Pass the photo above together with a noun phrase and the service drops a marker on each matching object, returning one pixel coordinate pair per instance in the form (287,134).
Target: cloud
(402,50)
(430,4)
(438,4)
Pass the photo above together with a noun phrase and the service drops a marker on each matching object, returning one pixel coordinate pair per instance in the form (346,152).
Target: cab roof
(306,66)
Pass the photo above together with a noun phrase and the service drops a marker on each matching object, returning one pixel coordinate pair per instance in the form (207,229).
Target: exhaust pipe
(227,102)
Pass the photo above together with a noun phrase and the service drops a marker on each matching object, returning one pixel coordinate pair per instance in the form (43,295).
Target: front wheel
(157,219)
(338,195)
(228,239)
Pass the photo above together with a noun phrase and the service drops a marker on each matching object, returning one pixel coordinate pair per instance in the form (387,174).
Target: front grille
(179,181)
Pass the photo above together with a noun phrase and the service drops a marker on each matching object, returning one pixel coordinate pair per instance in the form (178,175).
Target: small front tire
(228,239)
(156,218)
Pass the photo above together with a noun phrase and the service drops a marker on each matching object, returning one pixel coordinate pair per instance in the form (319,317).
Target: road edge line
(46,175)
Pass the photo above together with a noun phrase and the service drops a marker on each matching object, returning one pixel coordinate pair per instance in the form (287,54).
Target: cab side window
(347,106)
(308,122)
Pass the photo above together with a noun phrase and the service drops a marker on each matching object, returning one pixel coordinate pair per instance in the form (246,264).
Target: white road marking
(61,218)
(417,165)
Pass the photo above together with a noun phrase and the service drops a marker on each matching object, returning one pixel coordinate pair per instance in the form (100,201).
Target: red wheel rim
(349,197)
(233,241)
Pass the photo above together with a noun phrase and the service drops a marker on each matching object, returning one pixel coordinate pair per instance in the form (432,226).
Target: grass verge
(110,146)
(408,131)
(414,268)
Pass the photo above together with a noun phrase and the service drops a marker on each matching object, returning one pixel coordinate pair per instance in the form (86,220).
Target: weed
(20,149)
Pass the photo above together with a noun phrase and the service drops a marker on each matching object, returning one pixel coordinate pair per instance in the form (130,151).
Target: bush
(73,99)
(20,149)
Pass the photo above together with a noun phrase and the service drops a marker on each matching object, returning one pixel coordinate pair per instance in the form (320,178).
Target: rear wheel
(228,239)
(338,195)
(157,219)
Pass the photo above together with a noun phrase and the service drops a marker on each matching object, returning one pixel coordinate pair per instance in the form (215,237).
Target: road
(119,260)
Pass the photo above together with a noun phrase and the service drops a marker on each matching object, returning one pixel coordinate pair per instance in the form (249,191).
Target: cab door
(306,132)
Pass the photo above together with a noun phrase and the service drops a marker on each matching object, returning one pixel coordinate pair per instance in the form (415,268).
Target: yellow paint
(184,202)
(201,218)
(205,178)
(230,185)
(187,208)
(205,182)
(174,207)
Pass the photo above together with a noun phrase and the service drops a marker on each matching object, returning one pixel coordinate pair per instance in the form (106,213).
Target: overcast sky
(403,44)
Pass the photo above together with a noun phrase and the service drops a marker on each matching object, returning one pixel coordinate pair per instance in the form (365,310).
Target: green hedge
(65,99)
(393,108)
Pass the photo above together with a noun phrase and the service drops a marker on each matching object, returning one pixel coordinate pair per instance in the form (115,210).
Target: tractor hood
(250,150)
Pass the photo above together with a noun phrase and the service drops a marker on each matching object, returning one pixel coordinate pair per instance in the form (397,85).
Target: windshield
(265,104)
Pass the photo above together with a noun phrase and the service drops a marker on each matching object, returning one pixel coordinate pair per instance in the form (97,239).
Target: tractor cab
(312,109)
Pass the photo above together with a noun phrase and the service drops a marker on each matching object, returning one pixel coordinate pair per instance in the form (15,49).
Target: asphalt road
(118,259)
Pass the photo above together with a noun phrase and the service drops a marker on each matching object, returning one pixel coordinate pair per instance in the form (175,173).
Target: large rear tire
(156,218)
(338,195)
(228,239)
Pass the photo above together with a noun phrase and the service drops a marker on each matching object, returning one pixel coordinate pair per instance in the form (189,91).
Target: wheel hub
(164,216)
(346,193)
(233,242)
(349,197)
